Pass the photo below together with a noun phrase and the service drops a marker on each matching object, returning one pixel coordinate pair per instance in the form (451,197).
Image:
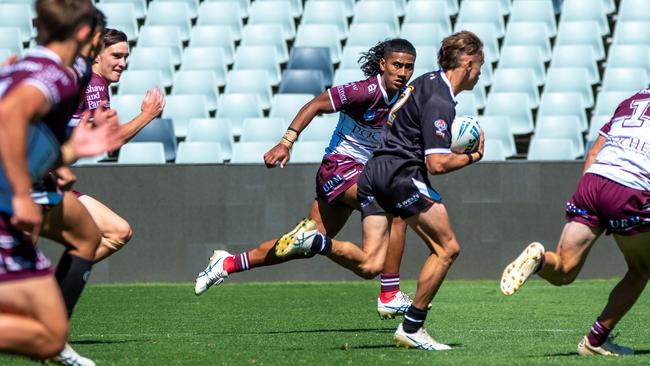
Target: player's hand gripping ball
(465,134)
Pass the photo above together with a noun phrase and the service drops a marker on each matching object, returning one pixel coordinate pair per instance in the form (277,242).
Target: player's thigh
(636,250)
(433,226)
(109,222)
(70,222)
(330,217)
(575,243)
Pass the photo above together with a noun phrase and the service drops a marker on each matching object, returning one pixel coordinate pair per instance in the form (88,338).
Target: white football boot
(608,348)
(214,274)
(420,340)
(397,306)
(298,240)
(517,272)
(69,357)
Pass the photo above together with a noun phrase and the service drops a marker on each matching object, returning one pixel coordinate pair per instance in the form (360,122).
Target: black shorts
(388,186)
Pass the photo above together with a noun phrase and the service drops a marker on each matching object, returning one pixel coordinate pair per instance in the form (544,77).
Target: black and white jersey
(420,121)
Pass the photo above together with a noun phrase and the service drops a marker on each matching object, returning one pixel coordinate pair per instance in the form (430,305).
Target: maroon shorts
(336,174)
(19,258)
(602,203)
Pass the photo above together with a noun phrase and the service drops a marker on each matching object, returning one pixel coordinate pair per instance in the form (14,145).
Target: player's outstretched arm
(280,153)
(152,105)
(445,163)
(593,152)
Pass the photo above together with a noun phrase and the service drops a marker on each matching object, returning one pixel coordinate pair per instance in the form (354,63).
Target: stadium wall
(180,213)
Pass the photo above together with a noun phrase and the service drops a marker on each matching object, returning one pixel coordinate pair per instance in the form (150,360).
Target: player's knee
(370,270)
(120,233)
(449,253)
(48,345)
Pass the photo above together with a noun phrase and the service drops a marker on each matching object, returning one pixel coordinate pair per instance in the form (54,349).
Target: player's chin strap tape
(290,136)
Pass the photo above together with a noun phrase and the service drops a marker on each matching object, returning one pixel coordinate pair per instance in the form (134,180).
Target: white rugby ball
(465,134)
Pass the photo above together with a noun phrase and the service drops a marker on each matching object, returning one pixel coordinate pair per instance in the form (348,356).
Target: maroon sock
(598,334)
(236,263)
(389,286)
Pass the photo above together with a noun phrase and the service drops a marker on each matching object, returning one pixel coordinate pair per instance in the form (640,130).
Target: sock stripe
(413,320)
(390,282)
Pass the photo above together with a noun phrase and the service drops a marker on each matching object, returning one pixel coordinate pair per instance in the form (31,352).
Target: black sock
(414,319)
(321,245)
(72,274)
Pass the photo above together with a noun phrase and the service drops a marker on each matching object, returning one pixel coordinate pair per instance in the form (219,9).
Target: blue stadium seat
(308,152)
(561,79)
(428,12)
(250,81)
(529,11)
(259,58)
(550,149)
(482,12)
(514,106)
(18,16)
(142,153)
(318,35)
(5,54)
(369,34)
(517,81)
(182,108)
(199,153)
(171,14)
(266,35)
(631,33)
(563,104)
(350,57)
(348,6)
(423,34)
(214,36)
(237,107)
(287,105)
(320,129)
(10,40)
(139,6)
(274,12)
(581,33)
(121,16)
(153,58)
(31,3)
(596,123)
(162,36)
(159,130)
(326,12)
(566,127)
(372,11)
(206,58)
(192,6)
(493,150)
(400,6)
(244,6)
(487,33)
(197,82)
(220,13)
(577,56)
(295,6)
(628,79)
(498,128)
(90,160)
(263,129)
(586,10)
(302,82)
(504,5)
(465,105)
(480,96)
(127,106)
(607,101)
(427,57)
(528,57)
(532,34)
(629,56)
(312,58)
(212,130)
(634,10)
(139,81)
(348,75)
(250,152)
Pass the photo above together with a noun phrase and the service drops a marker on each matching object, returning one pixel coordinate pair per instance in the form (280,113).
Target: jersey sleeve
(435,121)
(347,96)
(43,82)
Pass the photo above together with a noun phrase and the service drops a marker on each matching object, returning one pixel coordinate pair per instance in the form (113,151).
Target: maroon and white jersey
(625,156)
(364,108)
(95,93)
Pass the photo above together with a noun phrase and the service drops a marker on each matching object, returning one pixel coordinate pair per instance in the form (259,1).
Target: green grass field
(336,324)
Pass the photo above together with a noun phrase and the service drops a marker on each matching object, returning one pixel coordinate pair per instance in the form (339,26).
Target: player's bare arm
(593,152)
(152,105)
(445,163)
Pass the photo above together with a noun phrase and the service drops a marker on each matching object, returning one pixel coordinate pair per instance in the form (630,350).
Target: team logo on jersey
(369,115)
(432,76)
(441,127)
(372,88)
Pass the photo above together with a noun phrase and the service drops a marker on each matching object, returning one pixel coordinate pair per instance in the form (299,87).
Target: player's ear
(82,34)
(382,64)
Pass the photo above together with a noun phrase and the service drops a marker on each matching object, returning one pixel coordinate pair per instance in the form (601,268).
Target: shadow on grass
(336,330)
(383,346)
(108,341)
(637,352)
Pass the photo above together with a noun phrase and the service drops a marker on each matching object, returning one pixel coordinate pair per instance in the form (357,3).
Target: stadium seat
(514,106)
(377,11)
(493,150)
(528,57)
(127,106)
(18,16)
(302,82)
(479,93)
(182,108)
(250,81)
(577,56)
(326,12)
(142,153)
(400,6)
(220,13)
(517,81)
(368,34)
(121,16)
(628,56)
(528,11)
(487,33)
(566,127)
(348,75)
(5,54)
(350,57)
(170,14)
(192,6)
(259,58)
(625,79)
(159,130)
(487,75)
(199,153)
(153,58)
(263,129)
(317,35)
(237,107)
(586,10)
(428,12)
(90,160)
(162,36)
(348,6)
(423,34)
(274,12)
(214,36)
(206,58)
(308,152)
(10,40)
(452,7)
(312,58)
(244,6)
(608,101)
(266,35)
(528,34)
(631,33)
(296,7)
(287,105)
(212,130)
(504,5)
(31,3)
(139,81)
(563,104)
(498,128)
(550,149)
(465,105)
(139,6)
(427,57)
(581,33)
(634,10)
(197,82)
(250,152)
(482,12)
(320,129)
(561,79)
(596,123)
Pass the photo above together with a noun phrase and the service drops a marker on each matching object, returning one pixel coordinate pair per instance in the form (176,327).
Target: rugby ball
(465,134)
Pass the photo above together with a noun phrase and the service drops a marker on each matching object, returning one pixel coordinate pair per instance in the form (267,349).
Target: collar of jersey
(384,94)
(451,91)
(44,52)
